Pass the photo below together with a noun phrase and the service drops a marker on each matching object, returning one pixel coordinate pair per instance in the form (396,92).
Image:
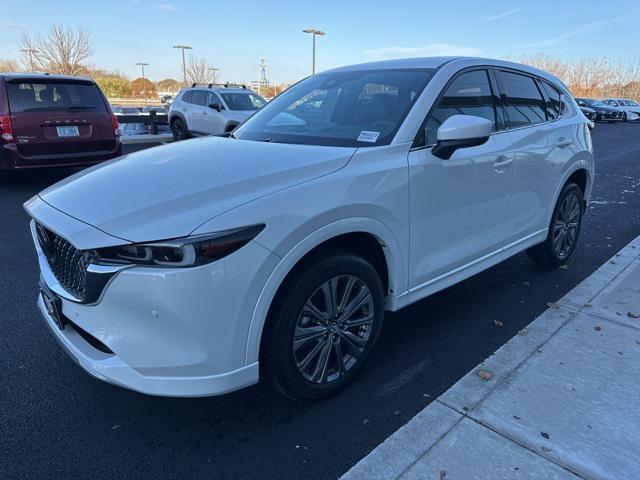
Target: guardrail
(152,119)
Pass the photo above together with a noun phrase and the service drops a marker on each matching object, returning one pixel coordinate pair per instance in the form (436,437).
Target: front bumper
(112,369)
(166,331)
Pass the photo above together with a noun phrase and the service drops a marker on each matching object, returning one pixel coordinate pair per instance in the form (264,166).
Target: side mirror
(461,131)
(215,106)
(582,104)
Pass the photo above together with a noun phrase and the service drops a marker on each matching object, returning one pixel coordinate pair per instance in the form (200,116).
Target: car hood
(167,192)
(604,108)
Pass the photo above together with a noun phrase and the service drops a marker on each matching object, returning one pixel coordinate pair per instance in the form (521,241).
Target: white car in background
(199,267)
(211,109)
(630,108)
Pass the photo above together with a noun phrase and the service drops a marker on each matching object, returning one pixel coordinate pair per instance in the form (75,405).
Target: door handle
(502,163)
(564,142)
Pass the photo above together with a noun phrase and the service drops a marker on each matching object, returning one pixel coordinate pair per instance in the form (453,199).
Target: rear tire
(564,229)
(314,341)
(179,130)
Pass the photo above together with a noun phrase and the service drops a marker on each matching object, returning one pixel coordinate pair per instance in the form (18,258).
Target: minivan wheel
(179,130)
(323,326)
(564,229)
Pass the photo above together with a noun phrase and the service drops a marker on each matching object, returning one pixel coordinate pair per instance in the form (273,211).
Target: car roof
(437,62)
(219,89)
(42,76)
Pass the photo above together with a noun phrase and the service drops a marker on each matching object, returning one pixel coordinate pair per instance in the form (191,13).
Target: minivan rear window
(42,96)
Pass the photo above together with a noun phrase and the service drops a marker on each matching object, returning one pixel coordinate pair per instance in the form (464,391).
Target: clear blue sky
(234,35)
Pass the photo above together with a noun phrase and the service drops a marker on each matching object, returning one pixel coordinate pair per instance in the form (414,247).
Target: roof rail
(224,85)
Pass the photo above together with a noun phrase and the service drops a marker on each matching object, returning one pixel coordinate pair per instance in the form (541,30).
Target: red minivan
(53,120)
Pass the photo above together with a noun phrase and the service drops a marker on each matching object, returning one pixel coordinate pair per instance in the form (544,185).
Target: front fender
(393,256)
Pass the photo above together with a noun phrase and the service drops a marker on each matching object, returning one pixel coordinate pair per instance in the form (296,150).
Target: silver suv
(211,109)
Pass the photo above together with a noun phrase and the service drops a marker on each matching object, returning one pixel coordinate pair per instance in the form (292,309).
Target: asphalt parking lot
(58,422)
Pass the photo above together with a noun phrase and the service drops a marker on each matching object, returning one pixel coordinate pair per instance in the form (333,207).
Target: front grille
(68,264)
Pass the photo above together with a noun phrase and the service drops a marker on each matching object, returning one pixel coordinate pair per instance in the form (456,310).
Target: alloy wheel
(333,329)
(566,226)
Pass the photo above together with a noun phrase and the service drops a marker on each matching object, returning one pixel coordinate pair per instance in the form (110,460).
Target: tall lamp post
(31,53)
(144,86)
(213,71)
(313,33)
(184,64)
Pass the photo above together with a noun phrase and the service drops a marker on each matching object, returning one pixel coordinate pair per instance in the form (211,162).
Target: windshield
(357,108)
(43,96)
(629,103)
(243,101)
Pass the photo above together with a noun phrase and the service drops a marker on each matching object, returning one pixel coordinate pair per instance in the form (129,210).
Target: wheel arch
(581,173)
(364,236)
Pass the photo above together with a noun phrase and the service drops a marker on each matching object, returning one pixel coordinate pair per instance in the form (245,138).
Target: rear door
(543,144)
(196,119)
(54,117)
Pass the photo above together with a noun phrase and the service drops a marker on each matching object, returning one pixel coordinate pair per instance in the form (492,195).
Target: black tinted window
(54,96)
(199,97)
(213,98)
(525,105)
(554,105)
(187,96)
(469,94)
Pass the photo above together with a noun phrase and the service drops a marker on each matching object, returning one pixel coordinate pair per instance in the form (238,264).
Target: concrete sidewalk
(560,400)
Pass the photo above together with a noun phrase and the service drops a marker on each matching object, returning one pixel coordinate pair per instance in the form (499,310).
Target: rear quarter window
(41,96)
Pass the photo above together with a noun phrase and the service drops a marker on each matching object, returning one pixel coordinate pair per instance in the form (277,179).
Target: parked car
(590,114)
(211,110)
(603,112)
(630,108)
(54,120)
(118,110)
(199,267)
(166,99)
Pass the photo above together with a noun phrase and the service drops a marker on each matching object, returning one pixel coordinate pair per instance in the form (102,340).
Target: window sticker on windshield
(371,137)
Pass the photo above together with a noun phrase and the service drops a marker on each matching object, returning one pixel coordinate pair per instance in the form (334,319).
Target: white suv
(197,267)
(211,109)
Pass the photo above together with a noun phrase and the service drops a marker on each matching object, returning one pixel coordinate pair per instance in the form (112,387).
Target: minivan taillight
(6,130)
(115,126)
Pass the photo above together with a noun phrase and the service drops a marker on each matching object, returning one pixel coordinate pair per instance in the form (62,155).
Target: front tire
(564,229)
(323,326)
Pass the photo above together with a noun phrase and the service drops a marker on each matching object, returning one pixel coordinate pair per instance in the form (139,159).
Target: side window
(186,97)
(213,98)
(554,105)
(469,94)
(524,103)
(199,97)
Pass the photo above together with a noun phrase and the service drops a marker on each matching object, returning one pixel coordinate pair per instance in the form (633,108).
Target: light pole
(314,32)
(144,83)
(213,71)
(184,65)
(31,53)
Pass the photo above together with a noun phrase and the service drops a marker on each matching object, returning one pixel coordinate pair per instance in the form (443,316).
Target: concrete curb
(449,415)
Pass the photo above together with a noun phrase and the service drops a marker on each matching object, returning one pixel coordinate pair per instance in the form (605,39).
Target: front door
(458,206)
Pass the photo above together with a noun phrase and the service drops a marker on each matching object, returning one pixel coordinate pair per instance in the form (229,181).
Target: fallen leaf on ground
(546,449)
(553,305)
(365,421)
(563,267)
(484,375)
(633,315)
(545,435)
(443,474)
(588,305)
(498,323)
(597,328)
(523,332)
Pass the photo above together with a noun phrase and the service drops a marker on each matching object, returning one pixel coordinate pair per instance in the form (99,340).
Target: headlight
(183,252)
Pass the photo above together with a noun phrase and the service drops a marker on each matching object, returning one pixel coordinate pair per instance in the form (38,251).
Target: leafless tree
(198,70)
(63,50)
(9,66)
